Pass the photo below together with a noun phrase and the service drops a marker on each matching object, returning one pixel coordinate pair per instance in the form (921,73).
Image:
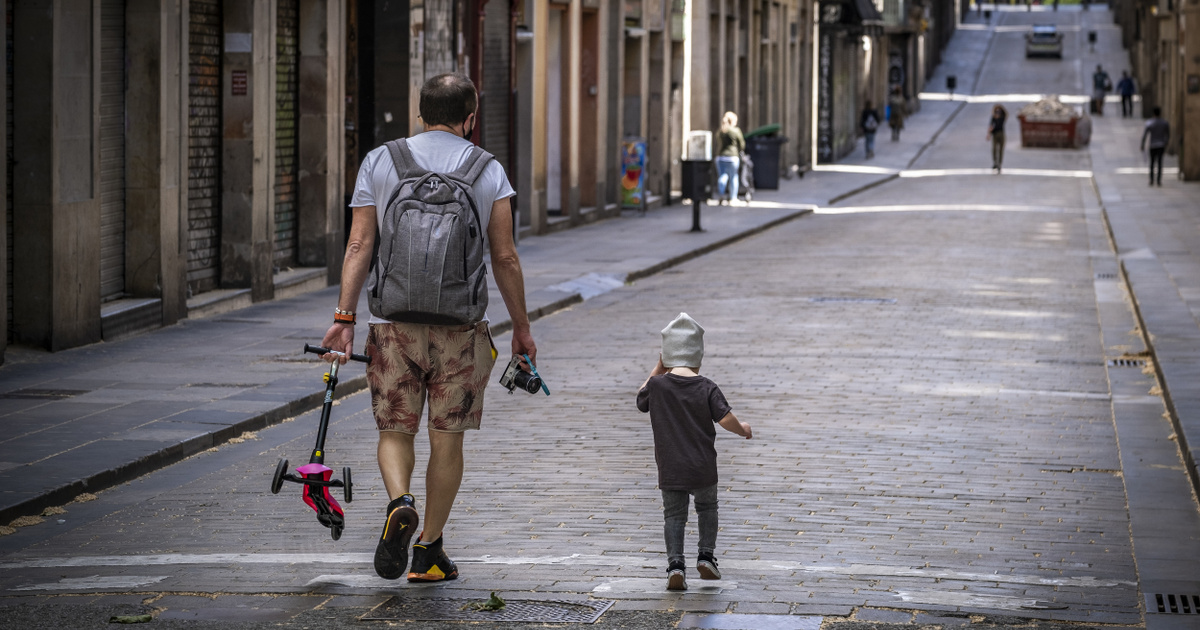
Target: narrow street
(923,364)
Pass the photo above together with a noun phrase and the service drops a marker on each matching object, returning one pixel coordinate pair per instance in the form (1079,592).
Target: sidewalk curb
(1185,452)
(864,188)
(173,454)
(180,451)
(634,276)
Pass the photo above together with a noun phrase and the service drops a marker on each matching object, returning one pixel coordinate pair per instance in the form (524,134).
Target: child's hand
(746,431)
(658,367)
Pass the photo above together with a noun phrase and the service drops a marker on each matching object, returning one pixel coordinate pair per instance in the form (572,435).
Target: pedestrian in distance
(868,122)
(995,133)
(1101,86)
(411,358)
(683,407)
(897,109)
(730,146)
(1158,132)
(1126,88)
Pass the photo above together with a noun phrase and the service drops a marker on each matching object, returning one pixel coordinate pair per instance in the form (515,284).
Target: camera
(515,377)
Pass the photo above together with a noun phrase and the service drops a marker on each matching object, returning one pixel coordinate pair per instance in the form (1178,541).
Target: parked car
(1043,40)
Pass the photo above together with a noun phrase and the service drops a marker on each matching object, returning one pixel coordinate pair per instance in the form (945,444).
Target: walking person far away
(1101,86)
(1126,87)
(683,408)
(897,109)
(412,358)
(868,121)
(995,133)
(1158,131)
(730,146)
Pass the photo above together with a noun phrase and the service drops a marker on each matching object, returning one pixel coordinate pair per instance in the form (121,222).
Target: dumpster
(1050,124)
(764,153)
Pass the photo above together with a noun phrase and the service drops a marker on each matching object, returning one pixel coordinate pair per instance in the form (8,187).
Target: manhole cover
(445,609)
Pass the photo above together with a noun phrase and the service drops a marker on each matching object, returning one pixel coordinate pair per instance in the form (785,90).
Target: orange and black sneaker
(430,563)
(391,554)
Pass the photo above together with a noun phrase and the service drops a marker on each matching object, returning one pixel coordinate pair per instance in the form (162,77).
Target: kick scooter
(315,475)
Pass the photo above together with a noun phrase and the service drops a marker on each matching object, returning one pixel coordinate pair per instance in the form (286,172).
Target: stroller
(746,177)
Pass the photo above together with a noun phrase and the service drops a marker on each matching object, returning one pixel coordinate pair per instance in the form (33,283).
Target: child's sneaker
(430,563)
(391,554)
(676,581)
(706,564)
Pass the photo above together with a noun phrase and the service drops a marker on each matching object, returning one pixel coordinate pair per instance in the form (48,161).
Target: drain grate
(44,394)
(1173,604)
(529,611)
(1138,363)
(852,300)
(1106,276)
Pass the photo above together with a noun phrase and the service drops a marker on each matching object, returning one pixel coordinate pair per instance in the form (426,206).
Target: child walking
(683,407)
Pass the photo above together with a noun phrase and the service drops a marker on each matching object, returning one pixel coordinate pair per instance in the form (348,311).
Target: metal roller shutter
(287,84)
(112,149)
(204,145)
(8,125)
(495,81)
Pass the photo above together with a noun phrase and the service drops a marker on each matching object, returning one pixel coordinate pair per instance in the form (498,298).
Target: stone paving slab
(176,374)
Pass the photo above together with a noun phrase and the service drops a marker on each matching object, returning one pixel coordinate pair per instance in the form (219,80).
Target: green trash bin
(764,152)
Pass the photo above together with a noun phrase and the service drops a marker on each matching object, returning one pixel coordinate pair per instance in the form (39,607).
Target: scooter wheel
(336,532)
(347,488)
(277,480)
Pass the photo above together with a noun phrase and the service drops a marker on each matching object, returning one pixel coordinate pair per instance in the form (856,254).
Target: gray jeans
(675,513)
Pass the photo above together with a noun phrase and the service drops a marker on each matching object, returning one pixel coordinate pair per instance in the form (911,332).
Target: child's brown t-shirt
(683,410)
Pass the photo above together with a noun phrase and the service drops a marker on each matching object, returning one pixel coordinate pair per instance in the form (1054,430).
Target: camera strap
(533,370)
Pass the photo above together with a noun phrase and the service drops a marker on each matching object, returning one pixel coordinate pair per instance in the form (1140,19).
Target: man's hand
(522,343)
(746,431)
(339,338)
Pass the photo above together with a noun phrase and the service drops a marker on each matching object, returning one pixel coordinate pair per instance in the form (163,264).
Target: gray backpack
(429,266)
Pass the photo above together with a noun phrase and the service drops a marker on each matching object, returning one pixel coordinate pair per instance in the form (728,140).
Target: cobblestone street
(924,367)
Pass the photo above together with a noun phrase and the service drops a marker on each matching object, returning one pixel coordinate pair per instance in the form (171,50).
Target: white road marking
(966,207)
(749,566)
(659,586)
(95,582)
(964,600)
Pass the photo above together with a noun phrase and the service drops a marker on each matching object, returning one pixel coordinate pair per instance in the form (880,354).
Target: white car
(1043,40)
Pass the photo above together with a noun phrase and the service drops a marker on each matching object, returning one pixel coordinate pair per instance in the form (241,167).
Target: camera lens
(527,381)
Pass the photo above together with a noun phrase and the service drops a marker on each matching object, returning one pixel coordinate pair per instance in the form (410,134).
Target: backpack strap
(402,158)
(472,168)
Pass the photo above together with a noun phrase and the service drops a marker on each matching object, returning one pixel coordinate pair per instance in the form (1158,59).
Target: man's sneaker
(706,564)
(676,581)
(391,554)
(430,564)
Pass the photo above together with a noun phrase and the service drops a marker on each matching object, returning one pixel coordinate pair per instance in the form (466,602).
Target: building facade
(178,158)
(1163,39)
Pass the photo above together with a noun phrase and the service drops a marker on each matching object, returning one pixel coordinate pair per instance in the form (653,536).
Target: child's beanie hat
(682,343)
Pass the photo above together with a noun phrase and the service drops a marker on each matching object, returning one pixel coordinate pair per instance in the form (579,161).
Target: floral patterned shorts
(449,363)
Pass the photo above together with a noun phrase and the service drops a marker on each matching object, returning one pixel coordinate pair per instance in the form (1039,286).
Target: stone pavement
(934,420)
(87,418)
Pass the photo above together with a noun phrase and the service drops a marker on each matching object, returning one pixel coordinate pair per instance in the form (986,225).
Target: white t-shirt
(437,151)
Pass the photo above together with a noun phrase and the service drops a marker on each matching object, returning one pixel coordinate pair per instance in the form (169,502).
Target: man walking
(448,364)
(1126,87)
(1101,84)
(1159,133)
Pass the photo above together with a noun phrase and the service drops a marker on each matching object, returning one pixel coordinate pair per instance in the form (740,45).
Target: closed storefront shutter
(112,149)
(204,146)
(287,83)
(8,125)
(496,87)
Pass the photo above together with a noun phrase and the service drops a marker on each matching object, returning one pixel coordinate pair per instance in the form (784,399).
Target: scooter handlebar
(318,350)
